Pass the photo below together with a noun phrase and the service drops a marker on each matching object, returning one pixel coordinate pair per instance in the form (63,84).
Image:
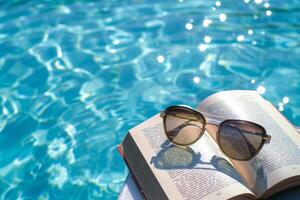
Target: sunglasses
(238,139)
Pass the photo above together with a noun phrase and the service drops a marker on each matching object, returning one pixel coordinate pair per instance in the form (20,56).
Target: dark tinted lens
(239,139)
(183,125)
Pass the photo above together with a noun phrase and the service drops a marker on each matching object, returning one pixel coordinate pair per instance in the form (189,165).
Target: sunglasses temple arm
(266,138)
(182,117)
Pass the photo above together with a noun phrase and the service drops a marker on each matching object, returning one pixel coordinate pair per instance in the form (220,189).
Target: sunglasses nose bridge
(213,121)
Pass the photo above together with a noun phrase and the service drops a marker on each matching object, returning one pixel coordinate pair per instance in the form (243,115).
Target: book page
(279,159)
(198,172)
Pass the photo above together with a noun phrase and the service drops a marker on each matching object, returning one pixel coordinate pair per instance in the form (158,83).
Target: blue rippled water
(76,75)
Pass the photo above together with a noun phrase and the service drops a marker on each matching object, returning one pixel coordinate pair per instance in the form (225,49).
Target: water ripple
(76,76)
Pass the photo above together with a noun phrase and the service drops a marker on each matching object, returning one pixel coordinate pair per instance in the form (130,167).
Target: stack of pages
(164,171)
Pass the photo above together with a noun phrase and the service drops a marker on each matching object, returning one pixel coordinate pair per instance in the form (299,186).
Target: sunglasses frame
(163,114)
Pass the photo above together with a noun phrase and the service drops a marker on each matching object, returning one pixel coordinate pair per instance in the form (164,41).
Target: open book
(165,171)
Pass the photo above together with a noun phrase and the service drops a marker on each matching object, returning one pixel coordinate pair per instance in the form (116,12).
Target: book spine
(149,185)
(131,174)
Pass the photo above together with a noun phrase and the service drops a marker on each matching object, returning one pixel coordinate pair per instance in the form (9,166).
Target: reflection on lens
(183,125)
(240,140)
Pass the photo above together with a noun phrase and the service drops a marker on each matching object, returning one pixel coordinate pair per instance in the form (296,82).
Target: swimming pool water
(76,75)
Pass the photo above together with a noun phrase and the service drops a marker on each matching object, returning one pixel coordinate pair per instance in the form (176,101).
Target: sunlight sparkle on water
(189,26)
(261,89)
(268,12)
(266,5)
(280,106)
(218,3)
(160,59)
(202,47)
(222,17)
(206,22)
(285,100)
(240,38)
(196,79)
(207,39)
